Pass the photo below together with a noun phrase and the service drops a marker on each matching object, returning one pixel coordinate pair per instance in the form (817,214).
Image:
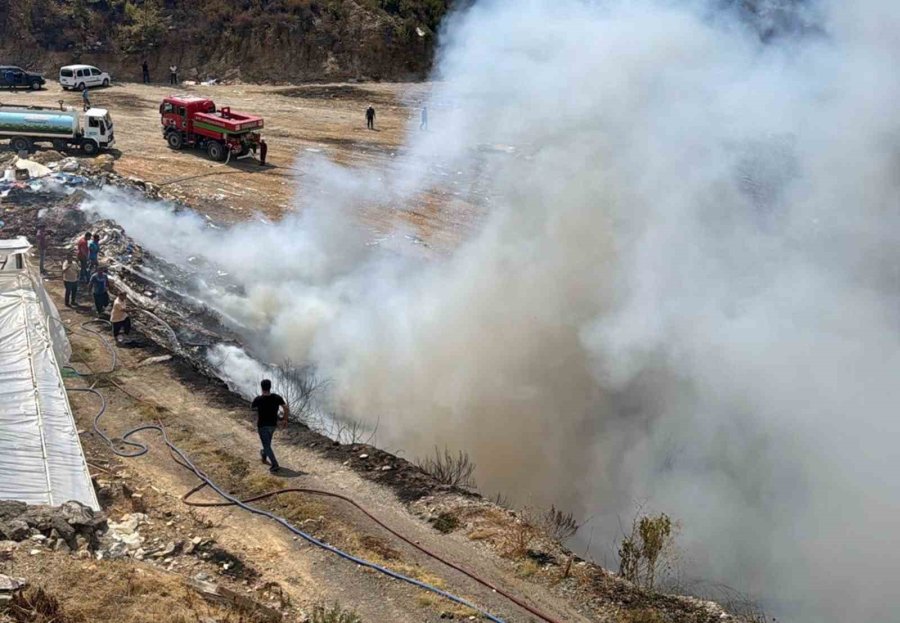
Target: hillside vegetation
(254,40)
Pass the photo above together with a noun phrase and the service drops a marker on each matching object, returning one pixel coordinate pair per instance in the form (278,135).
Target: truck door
(182,118)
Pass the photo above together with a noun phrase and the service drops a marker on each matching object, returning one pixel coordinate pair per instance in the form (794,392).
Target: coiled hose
(182,459)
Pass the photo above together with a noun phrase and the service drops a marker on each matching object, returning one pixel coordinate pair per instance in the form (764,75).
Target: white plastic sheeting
(41,459)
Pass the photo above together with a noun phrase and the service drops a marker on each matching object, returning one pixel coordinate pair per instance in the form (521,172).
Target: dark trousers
(83,274)
(71,292)
(123,326)
(173,78)
(146,77)
(265,436)
(101,300)
(370,123)
(42,253)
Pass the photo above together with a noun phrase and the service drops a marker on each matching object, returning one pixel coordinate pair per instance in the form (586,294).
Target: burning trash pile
(55,193)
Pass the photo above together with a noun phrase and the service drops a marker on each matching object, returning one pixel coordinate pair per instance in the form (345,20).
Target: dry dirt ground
(302,123)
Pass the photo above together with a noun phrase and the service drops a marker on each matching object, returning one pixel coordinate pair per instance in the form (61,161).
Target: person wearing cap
(99,285)
(121,322)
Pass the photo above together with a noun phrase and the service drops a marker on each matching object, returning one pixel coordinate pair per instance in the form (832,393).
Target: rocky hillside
(251,40)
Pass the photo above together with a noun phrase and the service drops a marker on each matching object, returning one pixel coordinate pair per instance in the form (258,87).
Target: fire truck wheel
(175,140)
(216,151)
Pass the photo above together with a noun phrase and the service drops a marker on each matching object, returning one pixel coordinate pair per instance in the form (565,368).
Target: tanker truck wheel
(90,148)
(175,140)
(21,143)
(216,151)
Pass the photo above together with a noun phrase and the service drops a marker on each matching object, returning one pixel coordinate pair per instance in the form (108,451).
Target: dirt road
(302,122)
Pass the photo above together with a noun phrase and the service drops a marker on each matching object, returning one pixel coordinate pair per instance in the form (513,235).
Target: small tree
(648,550)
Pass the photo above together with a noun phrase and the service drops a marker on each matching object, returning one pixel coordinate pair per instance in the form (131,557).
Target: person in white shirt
(119,317)
(173,74)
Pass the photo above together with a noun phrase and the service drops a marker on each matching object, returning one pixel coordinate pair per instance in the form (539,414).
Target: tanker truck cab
(97,133)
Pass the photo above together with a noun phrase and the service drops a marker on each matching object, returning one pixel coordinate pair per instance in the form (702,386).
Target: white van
(81,76)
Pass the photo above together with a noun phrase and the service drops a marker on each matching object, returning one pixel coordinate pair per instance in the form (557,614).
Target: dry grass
(643,615)
(89,592)
(334,614)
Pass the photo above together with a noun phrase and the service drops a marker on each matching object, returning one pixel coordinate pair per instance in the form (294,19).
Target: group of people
(84,268)
(145,73)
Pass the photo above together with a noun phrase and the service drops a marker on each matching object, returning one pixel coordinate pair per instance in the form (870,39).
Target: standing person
(82,253)
(424,124)
(266,406)
(11,80)
(121,321)
(86,99)
(94,253)
(173,74)
(99,284)
(370,117)
(71,273)
(263,150)
(145,72)
(41,238)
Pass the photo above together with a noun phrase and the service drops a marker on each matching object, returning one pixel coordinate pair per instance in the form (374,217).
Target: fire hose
(229,500)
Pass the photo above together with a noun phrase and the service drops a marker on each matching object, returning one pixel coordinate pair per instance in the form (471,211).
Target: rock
(82,543)
(170,548)
(10,584)
(15,530)
(11,509)
(61,546)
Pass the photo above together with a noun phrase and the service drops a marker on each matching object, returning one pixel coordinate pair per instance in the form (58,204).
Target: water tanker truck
(189,121)
(91,131)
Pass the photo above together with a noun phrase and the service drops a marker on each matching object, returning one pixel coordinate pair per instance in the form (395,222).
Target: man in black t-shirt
(266,406)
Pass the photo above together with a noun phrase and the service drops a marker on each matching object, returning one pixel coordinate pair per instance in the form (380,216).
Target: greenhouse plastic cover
(41,459)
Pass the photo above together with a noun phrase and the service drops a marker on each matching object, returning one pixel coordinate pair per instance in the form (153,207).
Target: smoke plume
(683,288)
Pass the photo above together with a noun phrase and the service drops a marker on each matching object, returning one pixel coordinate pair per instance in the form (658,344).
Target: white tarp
(41,459)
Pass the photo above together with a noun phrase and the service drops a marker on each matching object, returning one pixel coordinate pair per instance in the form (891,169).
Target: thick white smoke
(684,290)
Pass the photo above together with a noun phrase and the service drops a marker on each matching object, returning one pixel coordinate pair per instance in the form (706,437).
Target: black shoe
(262,457)
(274,469)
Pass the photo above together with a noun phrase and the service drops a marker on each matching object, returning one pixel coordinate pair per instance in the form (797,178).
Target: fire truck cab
(190,121)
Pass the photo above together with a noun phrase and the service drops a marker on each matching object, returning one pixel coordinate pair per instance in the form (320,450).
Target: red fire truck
(190,121)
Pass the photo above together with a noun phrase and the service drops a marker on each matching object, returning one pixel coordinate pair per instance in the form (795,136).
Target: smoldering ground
(684,291)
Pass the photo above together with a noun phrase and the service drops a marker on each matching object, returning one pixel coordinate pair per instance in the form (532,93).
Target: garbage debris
(34,169)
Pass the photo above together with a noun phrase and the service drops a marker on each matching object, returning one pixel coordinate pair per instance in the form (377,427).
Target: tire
(106,82)
(80,86)
(21,143)
(245,149)
(215,150)
(175,140)
(65,88)
(60,146)
(90,148)
(35,86)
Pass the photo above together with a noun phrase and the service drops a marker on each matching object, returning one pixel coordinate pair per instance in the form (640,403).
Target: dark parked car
(16,77)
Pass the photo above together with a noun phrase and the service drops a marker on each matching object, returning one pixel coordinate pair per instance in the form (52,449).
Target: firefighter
(263,150)
(370,117)
(145,71)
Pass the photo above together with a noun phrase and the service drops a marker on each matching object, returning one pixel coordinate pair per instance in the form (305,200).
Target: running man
(266,406)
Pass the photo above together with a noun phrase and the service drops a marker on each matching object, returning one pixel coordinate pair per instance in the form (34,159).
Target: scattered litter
(151,360)
(34,169)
